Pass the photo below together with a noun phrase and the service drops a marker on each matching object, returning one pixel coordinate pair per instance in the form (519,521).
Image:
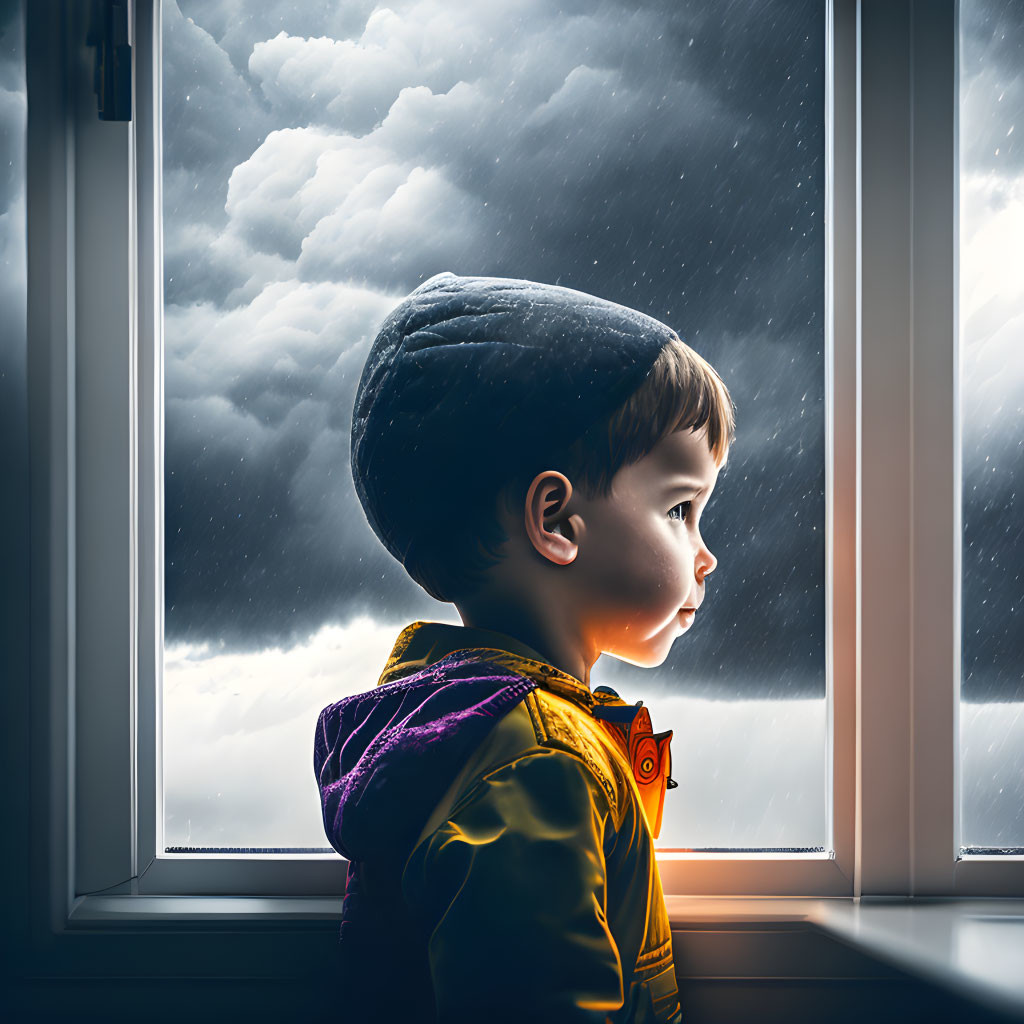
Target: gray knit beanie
(471,380)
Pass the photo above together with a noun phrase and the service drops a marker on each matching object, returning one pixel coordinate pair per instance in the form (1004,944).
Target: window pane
(992,418)
(323,159)
(13,253)
(15,503)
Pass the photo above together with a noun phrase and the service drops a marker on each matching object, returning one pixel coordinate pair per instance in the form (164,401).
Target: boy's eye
(681,511)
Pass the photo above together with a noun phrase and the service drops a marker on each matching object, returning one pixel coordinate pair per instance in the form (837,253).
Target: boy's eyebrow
(683,483)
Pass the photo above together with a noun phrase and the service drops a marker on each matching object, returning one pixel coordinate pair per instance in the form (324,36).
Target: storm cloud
(13,278)
(991,341)
(642,154)
(13,110)
(321,162)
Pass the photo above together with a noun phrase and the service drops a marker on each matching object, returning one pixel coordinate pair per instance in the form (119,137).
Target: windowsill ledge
(974,947)
(159,911)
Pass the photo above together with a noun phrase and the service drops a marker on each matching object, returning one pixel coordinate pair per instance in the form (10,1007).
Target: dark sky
(13,280)
(320,163)
(992,347)
(666,156)
(12,181)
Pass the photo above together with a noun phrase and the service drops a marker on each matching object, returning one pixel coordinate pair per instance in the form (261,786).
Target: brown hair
(682,391)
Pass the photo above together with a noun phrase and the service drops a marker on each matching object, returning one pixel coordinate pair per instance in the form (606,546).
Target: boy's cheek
(645,587)
(628,567)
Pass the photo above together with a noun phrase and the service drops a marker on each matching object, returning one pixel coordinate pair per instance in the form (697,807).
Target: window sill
(973,948)
(161,912)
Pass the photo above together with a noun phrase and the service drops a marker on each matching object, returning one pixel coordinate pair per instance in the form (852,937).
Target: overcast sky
(14,511)
(12,192)
(992,344)
(319,164)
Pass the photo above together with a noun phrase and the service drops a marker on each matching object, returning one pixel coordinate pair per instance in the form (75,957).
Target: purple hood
(384,758)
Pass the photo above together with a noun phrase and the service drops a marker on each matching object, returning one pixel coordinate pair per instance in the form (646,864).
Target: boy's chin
(650,657)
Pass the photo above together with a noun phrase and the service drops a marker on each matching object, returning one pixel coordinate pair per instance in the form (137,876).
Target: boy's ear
(553,533)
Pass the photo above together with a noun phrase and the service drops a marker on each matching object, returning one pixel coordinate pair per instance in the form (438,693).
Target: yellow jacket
(532,884)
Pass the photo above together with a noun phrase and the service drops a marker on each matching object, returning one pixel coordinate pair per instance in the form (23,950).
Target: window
(874,637)
(991,322)
(316,168)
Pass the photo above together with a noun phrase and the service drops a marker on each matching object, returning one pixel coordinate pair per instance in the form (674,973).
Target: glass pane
(992,418)
(15,533)
(323,159)
(13,253)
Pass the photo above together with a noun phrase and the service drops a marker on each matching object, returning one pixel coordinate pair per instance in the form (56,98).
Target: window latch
(112,67)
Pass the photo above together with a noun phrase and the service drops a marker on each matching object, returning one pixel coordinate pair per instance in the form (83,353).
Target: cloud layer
(319,166)
(643,154)
(322,162)
(991,343)
(238,752)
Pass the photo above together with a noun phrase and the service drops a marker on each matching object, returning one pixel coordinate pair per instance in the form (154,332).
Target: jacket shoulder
(561,724)
(545,718)
(540,720)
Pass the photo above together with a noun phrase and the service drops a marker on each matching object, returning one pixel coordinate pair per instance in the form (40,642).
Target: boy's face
(642,562)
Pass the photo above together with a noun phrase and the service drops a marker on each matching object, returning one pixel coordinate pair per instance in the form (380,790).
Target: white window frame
(95,374)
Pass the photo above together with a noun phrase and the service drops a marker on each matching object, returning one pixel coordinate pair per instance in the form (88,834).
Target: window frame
(97,467)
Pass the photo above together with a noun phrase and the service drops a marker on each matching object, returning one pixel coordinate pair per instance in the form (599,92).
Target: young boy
(540,458)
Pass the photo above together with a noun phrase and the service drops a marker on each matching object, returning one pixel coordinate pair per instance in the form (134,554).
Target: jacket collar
(422,643)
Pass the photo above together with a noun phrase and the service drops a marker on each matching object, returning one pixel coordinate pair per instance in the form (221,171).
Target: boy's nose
(705,565)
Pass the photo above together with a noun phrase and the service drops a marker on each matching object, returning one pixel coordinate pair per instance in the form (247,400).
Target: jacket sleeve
(511,889)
